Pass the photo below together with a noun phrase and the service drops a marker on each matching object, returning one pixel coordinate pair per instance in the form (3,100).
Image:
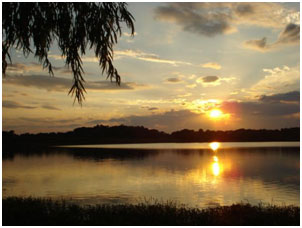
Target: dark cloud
(290,97)
(152,108)
(50,107)
(13,104)
(173,80)
(37,68)
(63,84)
(22,68)
(51,120)
(35,126)
(214,18)
(185,15)
(264,113)
(289,35)
(247,109)
(260,45)
(243,9)
(209,79)
(41,82)
(168,121)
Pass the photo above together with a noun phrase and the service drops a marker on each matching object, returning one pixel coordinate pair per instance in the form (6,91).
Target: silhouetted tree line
(127,134)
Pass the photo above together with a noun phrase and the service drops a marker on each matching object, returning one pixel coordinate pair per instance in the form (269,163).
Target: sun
(215,113)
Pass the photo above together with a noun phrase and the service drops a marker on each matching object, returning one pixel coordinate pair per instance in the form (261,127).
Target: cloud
(212,65)
(192,20)
(208,79)
(278,80)
(262,109)
(173,80)
(149,57)
(129,35)
(210,19)
(244,9)
(14,105)
(152,108)
(264,14)
(191,86)
(259,45)
(62,84)
(290,97)
(167,121)
(45,124)
(137,54)
(21,68)
(263,114)
(50,107)
(289,36)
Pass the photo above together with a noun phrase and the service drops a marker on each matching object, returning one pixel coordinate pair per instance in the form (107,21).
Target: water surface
(190,173)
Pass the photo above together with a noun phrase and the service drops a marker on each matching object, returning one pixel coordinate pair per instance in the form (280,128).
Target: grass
(40,211)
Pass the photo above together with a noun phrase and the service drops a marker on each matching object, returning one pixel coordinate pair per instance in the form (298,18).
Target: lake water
(194,174)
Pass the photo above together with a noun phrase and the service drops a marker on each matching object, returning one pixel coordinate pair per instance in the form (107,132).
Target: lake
(195,174)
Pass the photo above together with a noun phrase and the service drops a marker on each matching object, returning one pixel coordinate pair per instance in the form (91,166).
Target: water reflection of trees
(124,154)
(95,154)
(98,154)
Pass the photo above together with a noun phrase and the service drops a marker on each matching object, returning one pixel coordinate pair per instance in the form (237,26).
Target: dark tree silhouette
(33,27)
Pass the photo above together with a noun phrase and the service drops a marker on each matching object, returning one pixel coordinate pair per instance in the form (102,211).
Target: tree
(33,27)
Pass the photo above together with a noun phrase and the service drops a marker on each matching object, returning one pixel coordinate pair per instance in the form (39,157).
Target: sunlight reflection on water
(194,177)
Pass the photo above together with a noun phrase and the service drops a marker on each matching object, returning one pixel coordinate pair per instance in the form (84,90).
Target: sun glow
(215,113)
(214,145)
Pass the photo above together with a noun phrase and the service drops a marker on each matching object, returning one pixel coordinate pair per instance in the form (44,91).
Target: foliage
(34,211)
(33,27)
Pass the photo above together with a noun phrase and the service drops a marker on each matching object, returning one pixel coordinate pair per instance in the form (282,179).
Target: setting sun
(215,113)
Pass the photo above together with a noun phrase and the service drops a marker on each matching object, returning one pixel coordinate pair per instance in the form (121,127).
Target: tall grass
(41,211)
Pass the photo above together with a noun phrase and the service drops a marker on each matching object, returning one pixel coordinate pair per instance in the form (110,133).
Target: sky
(218,66)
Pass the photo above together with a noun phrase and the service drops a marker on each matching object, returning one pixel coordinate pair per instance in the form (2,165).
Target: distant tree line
(101,134)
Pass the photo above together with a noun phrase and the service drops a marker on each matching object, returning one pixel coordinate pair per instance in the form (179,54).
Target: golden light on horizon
(214,145)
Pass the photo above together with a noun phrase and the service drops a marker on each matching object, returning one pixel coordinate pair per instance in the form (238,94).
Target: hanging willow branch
(33,27)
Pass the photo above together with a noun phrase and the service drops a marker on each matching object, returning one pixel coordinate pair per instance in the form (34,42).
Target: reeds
(41,211)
